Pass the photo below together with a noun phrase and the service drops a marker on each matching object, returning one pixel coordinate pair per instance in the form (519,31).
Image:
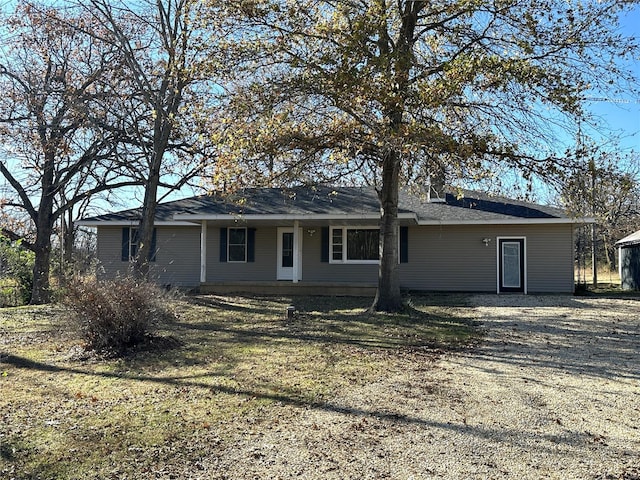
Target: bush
(17,263)
(113,316)
(9,293)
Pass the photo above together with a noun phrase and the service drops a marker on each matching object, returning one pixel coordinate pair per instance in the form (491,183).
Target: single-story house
(325,240)
(629,261)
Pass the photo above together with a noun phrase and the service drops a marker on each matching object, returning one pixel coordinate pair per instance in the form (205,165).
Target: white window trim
(246,239)
(344,245)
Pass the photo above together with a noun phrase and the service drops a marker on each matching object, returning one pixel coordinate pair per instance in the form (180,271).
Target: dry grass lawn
(226,366)
(458,387)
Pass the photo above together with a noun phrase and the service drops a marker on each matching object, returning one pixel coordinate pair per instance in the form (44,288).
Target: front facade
(328,243)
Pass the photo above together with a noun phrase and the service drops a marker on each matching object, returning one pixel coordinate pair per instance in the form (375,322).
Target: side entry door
(511,271)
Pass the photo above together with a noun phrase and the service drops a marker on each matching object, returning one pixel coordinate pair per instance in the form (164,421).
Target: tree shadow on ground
(368,334)
(500,434)
(318,321)
(575,335)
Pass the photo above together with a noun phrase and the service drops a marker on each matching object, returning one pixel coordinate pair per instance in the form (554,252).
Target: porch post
(296,252)
(203,251)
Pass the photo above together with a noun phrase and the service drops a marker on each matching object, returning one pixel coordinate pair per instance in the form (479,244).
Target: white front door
(286,252)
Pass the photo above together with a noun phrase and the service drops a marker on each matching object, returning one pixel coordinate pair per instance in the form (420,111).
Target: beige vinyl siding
(314,270)
(266,257)
(550,259)
(454,258)
(177,259)
(449,258)
(262,270)
(445,258)
(109,248)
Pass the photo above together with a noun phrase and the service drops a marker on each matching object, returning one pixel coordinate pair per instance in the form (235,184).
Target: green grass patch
(9,292)
(225,360)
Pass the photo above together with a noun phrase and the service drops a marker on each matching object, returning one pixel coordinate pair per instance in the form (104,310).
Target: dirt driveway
(553,391)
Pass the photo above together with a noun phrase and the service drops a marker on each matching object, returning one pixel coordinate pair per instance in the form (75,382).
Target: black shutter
(404,244)
(251,244)
(223,245)
(324,245)
(152,252)
(125,244)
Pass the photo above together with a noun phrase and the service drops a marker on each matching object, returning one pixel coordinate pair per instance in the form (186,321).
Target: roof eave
(627,244)
(129,223)
(288,217)
(509,221)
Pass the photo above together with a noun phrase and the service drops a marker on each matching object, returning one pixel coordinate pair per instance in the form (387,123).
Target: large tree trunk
(41,291)
(163,127)
(388,297)
(68,238)
(44,220)
(147,222)
(150,202)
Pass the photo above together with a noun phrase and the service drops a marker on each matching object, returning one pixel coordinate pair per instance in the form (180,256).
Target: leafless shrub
(114,316)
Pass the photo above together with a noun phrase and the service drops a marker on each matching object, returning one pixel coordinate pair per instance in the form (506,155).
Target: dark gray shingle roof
(470,207)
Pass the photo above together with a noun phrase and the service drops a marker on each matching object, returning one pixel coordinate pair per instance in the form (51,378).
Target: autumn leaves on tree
(391,93)
(281,92)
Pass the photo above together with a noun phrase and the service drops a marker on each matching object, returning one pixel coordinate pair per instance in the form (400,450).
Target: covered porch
(286,255)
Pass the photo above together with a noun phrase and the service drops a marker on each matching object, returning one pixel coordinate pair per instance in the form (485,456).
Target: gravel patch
(552,391)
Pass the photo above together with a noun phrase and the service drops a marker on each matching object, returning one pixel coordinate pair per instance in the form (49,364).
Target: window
(287,249)
(355,245)
(358,245)
(237,244)
(131,243)
(336,245)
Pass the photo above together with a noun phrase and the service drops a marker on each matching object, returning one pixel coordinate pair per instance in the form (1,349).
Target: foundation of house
(290,288)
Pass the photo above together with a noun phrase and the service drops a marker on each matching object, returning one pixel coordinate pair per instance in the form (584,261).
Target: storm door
(286,253)
(511,270)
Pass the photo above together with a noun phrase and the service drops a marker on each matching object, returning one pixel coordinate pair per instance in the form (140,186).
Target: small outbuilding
(629,261)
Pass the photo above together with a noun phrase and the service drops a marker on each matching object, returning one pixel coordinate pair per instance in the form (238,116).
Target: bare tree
(168,61)
(607,188)
(50,75)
